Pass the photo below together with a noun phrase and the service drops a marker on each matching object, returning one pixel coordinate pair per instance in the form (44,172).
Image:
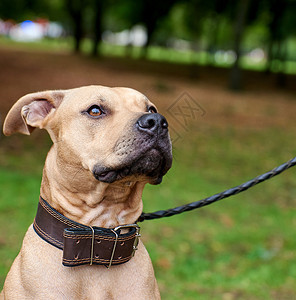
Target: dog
(107,144)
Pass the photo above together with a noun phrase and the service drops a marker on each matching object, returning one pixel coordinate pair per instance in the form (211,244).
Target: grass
(19,192)
(240,248)
(155,53)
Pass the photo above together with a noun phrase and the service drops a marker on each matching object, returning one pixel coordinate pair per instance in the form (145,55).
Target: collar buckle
(136,242)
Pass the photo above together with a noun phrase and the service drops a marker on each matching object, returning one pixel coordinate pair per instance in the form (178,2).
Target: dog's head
(115,133)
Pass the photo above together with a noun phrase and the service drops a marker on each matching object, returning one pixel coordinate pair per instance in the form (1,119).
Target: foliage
(20,10)
(193,20)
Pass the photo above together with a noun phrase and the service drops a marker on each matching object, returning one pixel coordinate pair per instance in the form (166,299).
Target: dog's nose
(152,123)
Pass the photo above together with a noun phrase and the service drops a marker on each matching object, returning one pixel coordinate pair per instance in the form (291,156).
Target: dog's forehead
(117,96)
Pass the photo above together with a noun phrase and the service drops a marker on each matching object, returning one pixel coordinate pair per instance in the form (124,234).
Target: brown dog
(107,144)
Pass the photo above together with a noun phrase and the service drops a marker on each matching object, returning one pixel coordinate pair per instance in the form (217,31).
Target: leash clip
(136,242)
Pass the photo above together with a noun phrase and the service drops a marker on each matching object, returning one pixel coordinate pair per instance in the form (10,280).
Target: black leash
(227,193)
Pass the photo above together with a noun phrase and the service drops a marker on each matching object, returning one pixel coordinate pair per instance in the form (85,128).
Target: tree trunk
(213,38)
(97,4)
(236,72)
(78,33)
(75,8)
(281,79)
(269,56)
(277,7)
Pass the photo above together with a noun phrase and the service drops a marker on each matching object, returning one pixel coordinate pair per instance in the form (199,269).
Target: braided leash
(225,194)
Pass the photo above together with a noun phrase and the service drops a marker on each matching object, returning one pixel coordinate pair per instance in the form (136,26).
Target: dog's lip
(109,175)
(106,176)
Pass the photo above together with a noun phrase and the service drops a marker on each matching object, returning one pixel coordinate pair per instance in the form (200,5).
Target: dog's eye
(152,110)
(95,111)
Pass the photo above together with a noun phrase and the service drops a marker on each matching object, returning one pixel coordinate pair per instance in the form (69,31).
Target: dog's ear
(31,111)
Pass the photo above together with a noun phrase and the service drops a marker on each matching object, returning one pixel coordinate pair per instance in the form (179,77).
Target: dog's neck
(75,193)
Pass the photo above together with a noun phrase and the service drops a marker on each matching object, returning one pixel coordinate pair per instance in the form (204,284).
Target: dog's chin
(150,167)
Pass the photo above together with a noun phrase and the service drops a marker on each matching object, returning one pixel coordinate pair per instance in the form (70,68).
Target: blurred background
(224,75)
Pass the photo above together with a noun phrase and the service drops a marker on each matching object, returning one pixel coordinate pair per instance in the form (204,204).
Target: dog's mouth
(152,165)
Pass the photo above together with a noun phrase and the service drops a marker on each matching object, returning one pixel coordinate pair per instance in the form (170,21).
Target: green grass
(240,248)
(19,192)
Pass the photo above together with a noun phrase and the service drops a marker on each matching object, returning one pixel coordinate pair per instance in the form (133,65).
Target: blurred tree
(203,25)
(204,19)
(194,14)
(86,21)
(215,19)
(151,13)
(281,25)
(239,27)
(20,10)
(13,9)
(123,15)
(128,13)
(97,6)
(76,12)
(276,9)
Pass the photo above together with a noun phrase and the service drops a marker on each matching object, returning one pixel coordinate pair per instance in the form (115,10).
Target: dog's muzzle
(145,151)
